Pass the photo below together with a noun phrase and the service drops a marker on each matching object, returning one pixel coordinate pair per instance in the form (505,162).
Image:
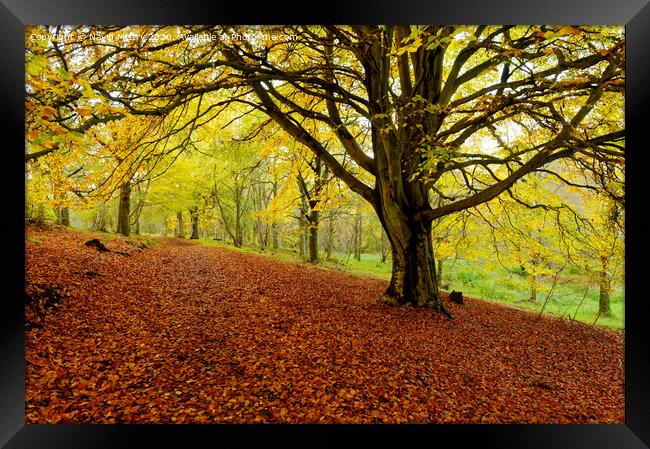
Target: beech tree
(595,244)
(414,109)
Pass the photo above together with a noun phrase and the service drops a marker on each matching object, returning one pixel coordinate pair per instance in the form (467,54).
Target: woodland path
(198,334)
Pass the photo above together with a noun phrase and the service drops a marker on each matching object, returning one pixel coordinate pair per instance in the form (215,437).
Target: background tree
(595,244)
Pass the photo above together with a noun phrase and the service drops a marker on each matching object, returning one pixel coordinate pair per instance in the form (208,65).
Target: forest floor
(169,331)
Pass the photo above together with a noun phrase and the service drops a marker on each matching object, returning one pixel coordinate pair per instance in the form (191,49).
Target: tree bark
(136,215)
(274,226)
(314,218)
(383,250)
(99,222)
(194,215)
(330,235)
(301,240)
(275,241)
(532,283)
(604,307)
(124,211)
(180,231)
(140,194)
(238,241)
(414,279)
(357,236)
(65,216)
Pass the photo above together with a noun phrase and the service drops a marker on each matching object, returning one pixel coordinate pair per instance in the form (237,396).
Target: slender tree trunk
(314,218)
(180,230)
(262,234)
(303,218)
(532,284)
(301,241)
(40,213)
(258,194)
(124,211)
(99,223)
(137,213)
(275,241)
(604,307)
(357,236)
(274,226)
(238,241)
(65,216)
(330,235)
(320,178)
(194,215)
(141,192)
(259,233)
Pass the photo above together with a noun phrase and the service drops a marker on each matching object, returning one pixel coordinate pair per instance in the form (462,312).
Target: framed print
(400,222)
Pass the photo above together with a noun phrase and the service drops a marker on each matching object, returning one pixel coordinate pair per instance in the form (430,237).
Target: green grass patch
(369,265)
(568,298)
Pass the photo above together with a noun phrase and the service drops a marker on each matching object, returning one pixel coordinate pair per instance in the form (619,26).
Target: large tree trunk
(414,277)
(604,307)
(124,211)
(194,214)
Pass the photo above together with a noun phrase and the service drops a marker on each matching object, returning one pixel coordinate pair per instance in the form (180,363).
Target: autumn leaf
(48,112)
(84,112)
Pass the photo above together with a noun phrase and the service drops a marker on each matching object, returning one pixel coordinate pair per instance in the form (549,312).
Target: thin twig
(581,301)
(550,292)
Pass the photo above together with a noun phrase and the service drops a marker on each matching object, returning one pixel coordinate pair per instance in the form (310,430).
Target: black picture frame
(15,14)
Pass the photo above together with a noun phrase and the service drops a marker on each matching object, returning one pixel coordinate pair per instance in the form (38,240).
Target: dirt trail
(187,333)
(175,241)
